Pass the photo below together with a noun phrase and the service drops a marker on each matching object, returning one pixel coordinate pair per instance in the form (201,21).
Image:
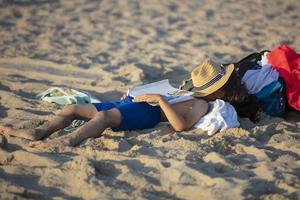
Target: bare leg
(61,120)
(93,128)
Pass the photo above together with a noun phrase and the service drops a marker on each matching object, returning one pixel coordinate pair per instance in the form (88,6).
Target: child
(126,114)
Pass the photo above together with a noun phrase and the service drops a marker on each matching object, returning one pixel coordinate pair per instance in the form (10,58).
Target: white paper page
(162,87)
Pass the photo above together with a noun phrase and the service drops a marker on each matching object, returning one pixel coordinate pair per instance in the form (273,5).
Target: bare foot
(27,134)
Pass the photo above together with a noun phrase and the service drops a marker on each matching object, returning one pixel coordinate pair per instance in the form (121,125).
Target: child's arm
(178,122)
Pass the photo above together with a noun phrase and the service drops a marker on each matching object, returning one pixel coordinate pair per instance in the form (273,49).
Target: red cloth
(287,62)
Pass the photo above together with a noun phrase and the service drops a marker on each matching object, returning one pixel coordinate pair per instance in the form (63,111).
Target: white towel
(221,115)
(257,79)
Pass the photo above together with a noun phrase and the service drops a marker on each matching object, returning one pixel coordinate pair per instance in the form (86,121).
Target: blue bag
(272,98)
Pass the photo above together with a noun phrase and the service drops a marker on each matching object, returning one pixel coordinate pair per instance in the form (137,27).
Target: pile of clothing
(274,80)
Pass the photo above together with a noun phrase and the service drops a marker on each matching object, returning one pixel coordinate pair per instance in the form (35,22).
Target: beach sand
(105,47)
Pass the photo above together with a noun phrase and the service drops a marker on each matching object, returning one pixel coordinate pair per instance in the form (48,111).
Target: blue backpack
(272,98)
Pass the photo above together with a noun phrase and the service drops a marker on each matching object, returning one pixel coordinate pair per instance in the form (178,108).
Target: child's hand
(149,98)
(125,95)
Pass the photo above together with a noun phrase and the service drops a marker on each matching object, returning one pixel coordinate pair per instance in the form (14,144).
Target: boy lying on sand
(131,114)
(122,115)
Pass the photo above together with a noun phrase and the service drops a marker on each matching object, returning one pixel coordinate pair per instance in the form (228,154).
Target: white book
(164,88)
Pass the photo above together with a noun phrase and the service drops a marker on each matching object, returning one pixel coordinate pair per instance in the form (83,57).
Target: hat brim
(217,85)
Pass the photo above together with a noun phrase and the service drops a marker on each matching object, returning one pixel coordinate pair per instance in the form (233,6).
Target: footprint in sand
(165,164)
(105,169)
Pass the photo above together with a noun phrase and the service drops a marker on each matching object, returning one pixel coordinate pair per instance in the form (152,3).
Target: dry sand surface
(105,47)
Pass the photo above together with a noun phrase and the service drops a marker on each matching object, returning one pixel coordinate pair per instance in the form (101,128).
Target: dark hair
(233,89)
(235,93)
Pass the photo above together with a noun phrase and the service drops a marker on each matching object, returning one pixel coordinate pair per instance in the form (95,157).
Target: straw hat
(209,77)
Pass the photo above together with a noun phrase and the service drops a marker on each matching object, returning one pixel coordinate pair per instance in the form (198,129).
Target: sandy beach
(104,48)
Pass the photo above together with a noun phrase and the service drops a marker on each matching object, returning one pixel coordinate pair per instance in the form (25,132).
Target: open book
(164,88)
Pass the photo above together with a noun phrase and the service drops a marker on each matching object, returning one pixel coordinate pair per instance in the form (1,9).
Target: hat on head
(208,77)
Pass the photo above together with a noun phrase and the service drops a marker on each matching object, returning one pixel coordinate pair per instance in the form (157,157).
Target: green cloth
(65,96)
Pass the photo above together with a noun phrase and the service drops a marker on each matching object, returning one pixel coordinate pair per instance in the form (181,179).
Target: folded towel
(65,96)
(221,115)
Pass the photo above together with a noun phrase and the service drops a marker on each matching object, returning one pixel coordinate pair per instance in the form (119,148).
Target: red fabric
(287,62)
